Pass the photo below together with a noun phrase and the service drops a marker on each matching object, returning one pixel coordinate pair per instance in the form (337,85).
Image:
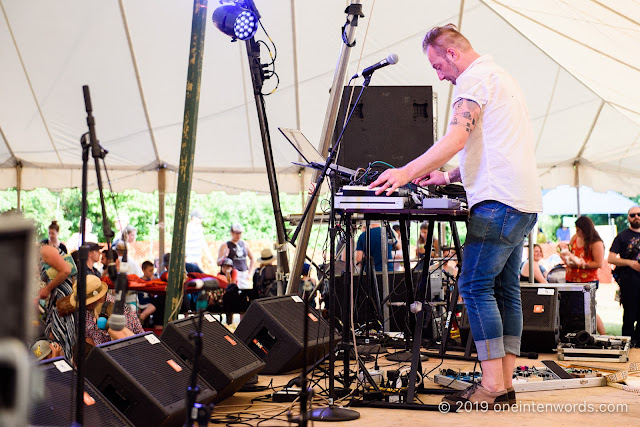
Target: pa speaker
(540,318)
(144,379)
(55,405)
(385,113)
(273,329)
(226,362)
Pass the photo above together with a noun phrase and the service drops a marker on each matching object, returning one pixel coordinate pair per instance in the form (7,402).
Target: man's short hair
(147,264)
(441,38)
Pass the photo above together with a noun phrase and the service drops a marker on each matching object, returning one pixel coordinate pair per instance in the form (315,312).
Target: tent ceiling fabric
(575,59)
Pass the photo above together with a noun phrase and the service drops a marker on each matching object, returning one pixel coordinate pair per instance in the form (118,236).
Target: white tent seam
(547,112)
(134,62)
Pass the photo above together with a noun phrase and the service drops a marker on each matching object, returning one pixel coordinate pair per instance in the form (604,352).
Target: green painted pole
(185,172)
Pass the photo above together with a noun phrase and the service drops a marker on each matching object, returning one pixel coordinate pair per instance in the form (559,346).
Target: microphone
(207,284)
(389,60)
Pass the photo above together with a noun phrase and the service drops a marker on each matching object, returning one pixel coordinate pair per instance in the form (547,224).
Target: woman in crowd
(58,271)
(53,240)
(586,256)
(539,273)
(422,239)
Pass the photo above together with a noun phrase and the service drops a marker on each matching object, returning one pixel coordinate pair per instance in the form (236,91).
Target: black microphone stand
(332,412)
(120,279)
(197,412)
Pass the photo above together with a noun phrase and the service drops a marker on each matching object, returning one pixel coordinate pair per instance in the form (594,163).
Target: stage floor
(578,406)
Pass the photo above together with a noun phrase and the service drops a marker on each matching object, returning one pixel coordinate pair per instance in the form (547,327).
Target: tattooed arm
(465,116)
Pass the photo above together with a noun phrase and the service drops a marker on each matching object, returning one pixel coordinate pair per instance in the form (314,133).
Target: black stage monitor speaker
(144,379)
(55,406)
(273,329)
(540,319)
(226,362)
(393,124)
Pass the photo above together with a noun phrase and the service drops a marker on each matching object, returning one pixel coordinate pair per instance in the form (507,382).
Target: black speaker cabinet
(273,329)
(226,362)
(540,318)
(56,406)
(144,379)
(385,114)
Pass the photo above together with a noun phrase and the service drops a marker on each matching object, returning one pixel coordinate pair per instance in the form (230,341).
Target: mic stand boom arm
(120,280)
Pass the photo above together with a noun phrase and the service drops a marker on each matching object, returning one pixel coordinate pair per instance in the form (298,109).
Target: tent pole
(162,188)
(18,184)
(185,169)
(576,180)
(257,79)
(331,115)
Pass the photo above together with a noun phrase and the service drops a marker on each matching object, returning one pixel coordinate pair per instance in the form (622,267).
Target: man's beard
(635,223)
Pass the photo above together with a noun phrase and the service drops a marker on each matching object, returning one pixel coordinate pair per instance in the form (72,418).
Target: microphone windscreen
(392,58)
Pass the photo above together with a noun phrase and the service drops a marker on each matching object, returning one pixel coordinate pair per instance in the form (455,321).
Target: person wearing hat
(195,244)
(238,250)
(264,279)
(96,297)
(45,349)
(94,258)
(234,299)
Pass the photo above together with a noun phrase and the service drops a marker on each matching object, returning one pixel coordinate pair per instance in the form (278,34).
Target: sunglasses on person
(633,215)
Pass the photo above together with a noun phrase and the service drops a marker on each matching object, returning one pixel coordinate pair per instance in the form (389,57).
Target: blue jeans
(490,277)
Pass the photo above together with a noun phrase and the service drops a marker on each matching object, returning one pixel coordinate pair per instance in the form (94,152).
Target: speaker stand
(196,412)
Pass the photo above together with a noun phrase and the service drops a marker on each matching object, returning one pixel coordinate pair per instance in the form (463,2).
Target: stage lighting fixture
(238,20)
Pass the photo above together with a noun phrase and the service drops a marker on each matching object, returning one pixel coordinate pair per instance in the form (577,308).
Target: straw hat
(96,289)
(266,256)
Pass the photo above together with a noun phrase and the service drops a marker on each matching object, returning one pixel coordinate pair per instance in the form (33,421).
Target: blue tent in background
(564,200)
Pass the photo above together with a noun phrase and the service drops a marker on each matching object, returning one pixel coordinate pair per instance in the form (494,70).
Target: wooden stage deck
(579,406)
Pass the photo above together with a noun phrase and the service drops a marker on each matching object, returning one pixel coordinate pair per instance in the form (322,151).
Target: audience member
(144,298)
(264,279)
(189,267)
(234,300)
(375,233)
(100,303)
(422,239)
(586,253)
(585,257)
(122,220)
(45,349)
(625,255)
(132,268)
(563,234)
(58,273)
(541,238)
(94,258)
(539,272)
(238,251)
(129,236)
(195,244)
(54,230)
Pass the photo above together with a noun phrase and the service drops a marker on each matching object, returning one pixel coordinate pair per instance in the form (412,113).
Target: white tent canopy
(563,200)
(577,61)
